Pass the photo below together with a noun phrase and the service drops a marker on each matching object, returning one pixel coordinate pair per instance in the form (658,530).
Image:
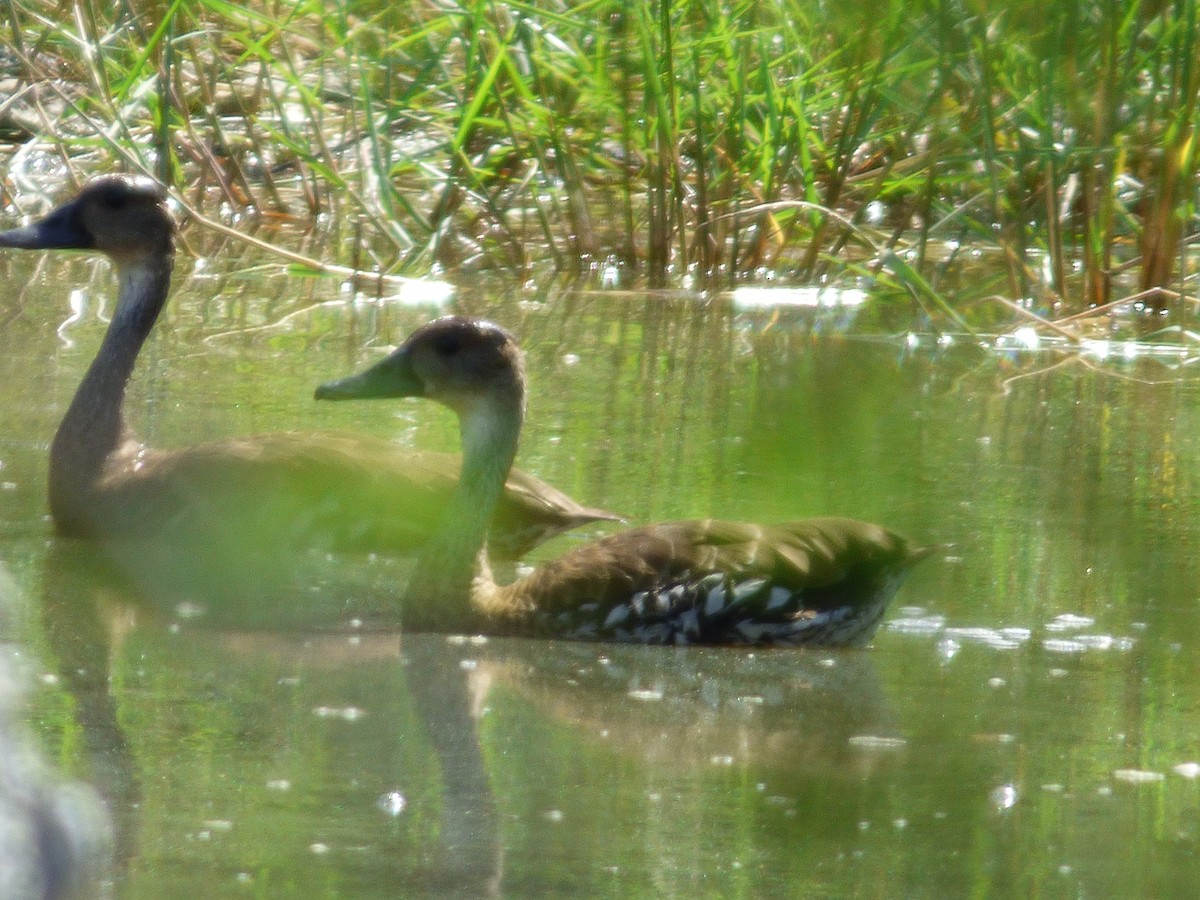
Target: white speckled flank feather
(818,581)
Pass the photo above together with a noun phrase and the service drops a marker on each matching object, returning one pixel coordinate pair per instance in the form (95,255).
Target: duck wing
(819,581)
(324,490)
(531,512)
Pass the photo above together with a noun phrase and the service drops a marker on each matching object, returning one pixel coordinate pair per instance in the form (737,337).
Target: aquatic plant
(702,143)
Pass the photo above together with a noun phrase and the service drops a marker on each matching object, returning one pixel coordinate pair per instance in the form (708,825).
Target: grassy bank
(694,143)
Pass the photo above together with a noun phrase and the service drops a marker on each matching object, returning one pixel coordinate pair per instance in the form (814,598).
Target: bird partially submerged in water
(824,581)
(302,489)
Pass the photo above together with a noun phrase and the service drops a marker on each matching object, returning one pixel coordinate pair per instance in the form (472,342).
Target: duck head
(125,218)
(460,362)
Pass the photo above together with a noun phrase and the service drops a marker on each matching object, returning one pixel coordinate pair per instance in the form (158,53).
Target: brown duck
(326,490)
(816,581)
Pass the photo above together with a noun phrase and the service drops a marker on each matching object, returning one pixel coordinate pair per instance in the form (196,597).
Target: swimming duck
(822,581)
(327,490)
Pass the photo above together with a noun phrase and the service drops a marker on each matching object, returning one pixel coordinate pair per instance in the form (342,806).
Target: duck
(326,490)
(818,581)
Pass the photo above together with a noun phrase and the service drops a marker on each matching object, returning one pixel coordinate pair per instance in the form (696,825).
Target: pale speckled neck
(452,577)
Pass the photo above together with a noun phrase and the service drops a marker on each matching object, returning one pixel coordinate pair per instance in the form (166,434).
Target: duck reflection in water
(790,719)
(55,836)
(97,624)
(823,581)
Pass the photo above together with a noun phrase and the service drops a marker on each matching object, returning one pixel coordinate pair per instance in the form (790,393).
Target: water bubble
(1004,639)
(1062,645)
(1003,797)
(392,803)
(646,694)
(877,742)
(917,625)
(1138,776)
(1069,622)
(947,649)
(1083,642)
(346,713)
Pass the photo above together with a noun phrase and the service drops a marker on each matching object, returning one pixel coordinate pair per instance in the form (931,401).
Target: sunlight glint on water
(1026,703)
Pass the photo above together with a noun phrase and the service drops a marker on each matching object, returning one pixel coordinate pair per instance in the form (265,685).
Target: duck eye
(113,201)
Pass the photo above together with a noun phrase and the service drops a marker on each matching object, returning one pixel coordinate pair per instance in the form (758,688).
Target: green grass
(697,144)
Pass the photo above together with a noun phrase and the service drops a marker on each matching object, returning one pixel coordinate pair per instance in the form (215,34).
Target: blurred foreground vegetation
(682,144)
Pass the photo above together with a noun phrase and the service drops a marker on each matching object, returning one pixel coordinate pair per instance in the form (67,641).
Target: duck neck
(452,583)
(94,428)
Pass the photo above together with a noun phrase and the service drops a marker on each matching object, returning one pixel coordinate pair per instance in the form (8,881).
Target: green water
(1015,730)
